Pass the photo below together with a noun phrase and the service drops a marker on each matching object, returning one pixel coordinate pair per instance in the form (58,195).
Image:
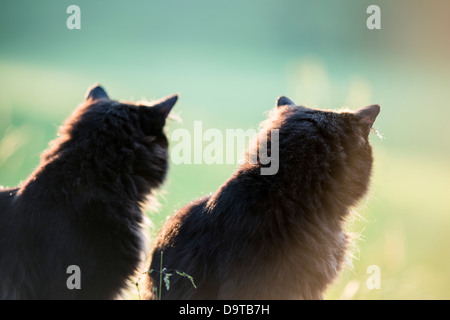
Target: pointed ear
(164,105)
(96,92)
(284,101)
(368,114)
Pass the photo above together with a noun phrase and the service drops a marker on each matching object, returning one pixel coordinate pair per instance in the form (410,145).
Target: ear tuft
(96,92)
(165,105)
(284,101)
(368,114)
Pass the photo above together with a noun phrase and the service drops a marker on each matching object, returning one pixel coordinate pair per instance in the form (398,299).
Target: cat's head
(119,142)
(355,124)
(334,145)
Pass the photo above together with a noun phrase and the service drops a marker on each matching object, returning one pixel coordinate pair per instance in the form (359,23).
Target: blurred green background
(229,60)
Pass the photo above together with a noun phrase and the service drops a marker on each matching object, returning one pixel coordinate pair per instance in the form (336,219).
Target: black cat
(274,236)
(83,205)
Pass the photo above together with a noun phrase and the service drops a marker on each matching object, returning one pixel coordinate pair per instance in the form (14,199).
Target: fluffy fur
(83,204)
(272,236)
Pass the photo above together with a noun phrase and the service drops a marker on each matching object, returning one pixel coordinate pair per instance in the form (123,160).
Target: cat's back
(7,247)
(7,198)
(186,222)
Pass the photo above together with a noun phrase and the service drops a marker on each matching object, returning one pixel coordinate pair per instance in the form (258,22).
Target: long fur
(83,205)
(272,236)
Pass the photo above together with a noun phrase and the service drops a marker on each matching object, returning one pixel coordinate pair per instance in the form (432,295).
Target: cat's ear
(284,101)
(368,114)
(96,92)
(164,105)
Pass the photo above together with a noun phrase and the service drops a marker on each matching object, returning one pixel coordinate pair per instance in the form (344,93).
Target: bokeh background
(229,60)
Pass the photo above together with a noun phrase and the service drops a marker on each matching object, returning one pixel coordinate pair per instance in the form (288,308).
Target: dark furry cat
(82,205)
(273,236)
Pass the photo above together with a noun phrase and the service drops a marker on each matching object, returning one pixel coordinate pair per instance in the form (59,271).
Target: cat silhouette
(83,204)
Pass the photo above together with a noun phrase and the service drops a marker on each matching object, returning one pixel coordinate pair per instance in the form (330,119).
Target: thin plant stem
(160,276)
